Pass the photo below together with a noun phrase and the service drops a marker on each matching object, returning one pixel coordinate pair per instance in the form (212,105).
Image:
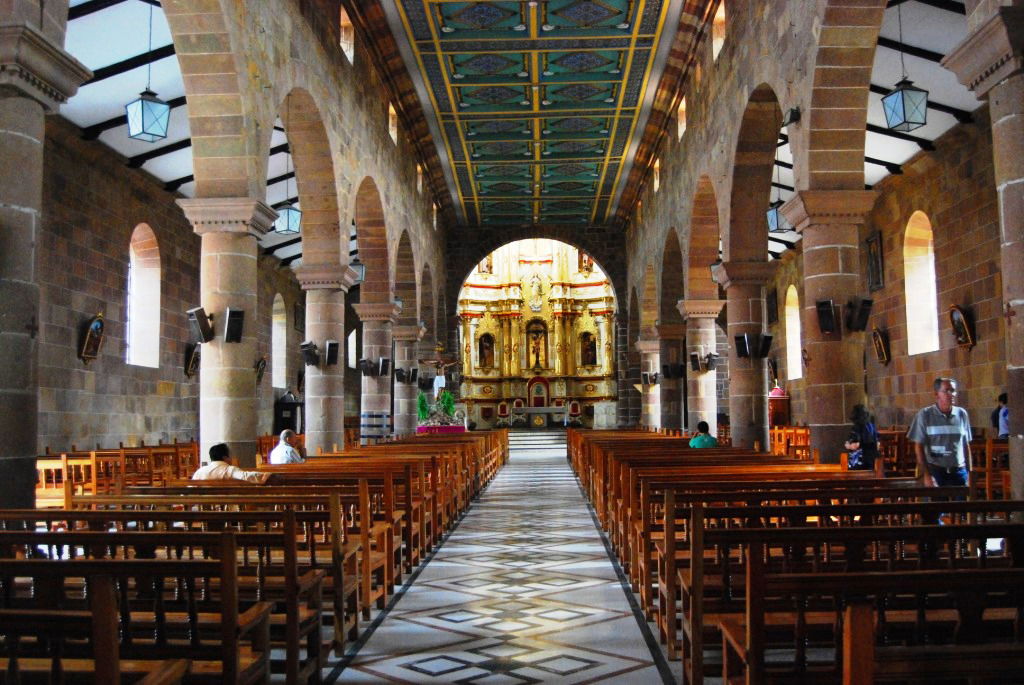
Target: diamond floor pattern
(523,591)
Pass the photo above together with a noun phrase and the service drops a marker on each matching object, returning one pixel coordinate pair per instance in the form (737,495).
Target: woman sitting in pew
(862,442)
(221,468)
(703,438)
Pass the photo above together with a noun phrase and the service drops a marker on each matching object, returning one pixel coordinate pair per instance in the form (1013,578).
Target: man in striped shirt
(941,434)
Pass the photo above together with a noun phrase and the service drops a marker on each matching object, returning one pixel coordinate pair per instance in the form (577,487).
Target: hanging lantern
(906,107)
(148,117)
(289,219)
(776,223)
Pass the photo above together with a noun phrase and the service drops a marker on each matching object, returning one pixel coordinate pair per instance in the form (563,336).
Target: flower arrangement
(441,413)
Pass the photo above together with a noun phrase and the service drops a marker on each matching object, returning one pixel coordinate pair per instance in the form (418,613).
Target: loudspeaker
(367,367)
(645,378)
(199,325)
(826,316)
(695,358)
(413,374)
(310,353)
(233,322)
(666,371)
(384,367)
(400,375)
(857,313)
(742,350)
(331,353)
(764,347)
(679,370)
(712,361)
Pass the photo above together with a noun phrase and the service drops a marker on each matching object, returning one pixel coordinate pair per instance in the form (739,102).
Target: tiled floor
(523,591)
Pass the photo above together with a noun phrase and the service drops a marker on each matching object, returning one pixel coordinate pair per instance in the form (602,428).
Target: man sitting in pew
(221,468)
(285,452)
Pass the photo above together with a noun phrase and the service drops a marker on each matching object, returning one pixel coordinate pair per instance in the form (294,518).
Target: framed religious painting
(91,339)
(880,343)
(191,359)
(876,273)
(963,329)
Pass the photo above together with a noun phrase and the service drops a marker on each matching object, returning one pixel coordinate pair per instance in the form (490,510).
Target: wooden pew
(224,643)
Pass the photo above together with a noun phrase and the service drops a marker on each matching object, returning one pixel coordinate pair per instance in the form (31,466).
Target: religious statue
(486,351)
(487,266)
(586,264)
(535,349)
(536,299)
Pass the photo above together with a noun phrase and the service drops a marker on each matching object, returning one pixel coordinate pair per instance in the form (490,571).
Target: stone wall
(92,202)
(955,187)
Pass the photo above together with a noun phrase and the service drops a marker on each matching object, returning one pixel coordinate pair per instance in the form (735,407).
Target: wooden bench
(168,609)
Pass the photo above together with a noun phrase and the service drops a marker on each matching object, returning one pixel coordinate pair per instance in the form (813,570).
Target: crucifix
(1008,313)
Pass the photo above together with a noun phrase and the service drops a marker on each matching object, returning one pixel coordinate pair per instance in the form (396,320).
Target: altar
(538,418)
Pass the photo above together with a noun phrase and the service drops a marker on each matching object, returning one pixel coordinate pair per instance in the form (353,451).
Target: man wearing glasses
(941,433)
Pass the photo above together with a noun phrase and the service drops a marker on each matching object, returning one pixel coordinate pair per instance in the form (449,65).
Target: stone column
(36,76)
(650,403)
(744,286)
(325,286)
(830,222)
(990,61)
(230,229)
(375,408)
(701,390)
(406,339)
(672,337)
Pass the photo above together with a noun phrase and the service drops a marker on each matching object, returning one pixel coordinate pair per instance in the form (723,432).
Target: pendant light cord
(149,64)
(899,24)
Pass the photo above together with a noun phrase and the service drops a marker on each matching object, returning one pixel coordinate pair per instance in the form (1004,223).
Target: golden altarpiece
(537,326)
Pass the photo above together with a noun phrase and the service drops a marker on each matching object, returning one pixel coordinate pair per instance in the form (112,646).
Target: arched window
(347,34)
(352,353)
(718,31)
(279,344)
(485,351)
(681,119)
(794,360)
(919,285)
(657,174)
(143,306)
(393,123)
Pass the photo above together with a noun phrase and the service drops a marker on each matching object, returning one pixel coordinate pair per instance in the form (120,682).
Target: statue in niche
(536,335)
(487,266)
(536,297)
(485,351)
(586,264)
(588,349)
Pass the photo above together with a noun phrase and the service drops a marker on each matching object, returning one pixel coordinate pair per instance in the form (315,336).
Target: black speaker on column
(331,355)
(827,322)
(234,320)
(199,325)
(742,350)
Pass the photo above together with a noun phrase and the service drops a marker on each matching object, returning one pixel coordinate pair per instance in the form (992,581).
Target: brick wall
(92,203)
(955,187)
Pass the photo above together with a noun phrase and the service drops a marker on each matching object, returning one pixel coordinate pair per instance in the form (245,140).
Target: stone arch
(747,237)
(314,178)
(673,284)
(705,237)
(404,271)
(372,239)
(832,157)
(217,110)
(426,299)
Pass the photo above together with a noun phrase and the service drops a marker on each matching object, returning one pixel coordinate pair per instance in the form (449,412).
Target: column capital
(990,53)
(326,277)
(728,274)
(32,64)
(700,309)
(648,346)
(377,311)
(816,207)
(407,333)
(671,331)
(228,215)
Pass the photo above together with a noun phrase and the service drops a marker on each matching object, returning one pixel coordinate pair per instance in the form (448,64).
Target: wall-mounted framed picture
(880,341)
(260,367)
(876,273)
(191,366)
(771,304)
(92,339)
(963,328)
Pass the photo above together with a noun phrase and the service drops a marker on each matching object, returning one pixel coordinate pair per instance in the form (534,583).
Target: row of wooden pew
(794,571)
(197,580)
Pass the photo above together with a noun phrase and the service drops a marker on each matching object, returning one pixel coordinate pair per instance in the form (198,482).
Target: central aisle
(522,591)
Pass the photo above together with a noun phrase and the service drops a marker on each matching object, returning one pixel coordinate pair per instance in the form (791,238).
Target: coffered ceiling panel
(536,106)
